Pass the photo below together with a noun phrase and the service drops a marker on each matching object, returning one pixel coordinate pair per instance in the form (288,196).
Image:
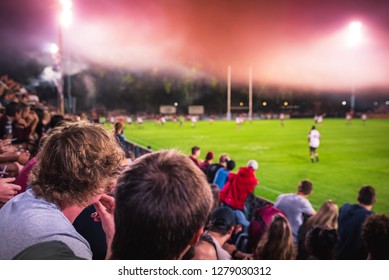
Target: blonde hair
(326,216)
(277,242)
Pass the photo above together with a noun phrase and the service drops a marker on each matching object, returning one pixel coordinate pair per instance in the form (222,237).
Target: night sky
(292,42)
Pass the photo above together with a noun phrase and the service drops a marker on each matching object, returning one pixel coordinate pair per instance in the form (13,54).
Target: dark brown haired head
(305,187)
(162,201)
(366,195)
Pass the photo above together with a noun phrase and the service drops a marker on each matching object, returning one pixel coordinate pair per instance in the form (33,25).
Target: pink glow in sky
(300,43)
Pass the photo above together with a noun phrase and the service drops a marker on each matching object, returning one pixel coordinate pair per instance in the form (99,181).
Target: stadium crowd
(70,189)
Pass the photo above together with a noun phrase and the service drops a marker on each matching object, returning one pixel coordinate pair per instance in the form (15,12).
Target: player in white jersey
(314,142)
(129,120)
(139,121)
(349,117)
(282,118)
(163,120)
(320,119)
(363,118)
(194,121)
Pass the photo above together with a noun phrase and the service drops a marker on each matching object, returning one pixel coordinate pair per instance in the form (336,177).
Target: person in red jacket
(239,186)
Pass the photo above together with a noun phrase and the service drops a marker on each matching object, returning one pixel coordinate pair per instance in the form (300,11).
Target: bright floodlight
(264,104)
(175,104)
(66,16)
(286,103)
(344,103)
(54,49)
(354,33)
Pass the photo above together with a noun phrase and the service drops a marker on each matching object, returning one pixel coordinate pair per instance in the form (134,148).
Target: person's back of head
(12,109)
(194,150)
(305,187)
(366,195)
(75,162)
(321,242)
(56,120)
(230,165)
(162,203)
(327,215)
(375,234)
(118,127)
(253,164)
(223,159)
(222,221)
(209,156)
(277,243)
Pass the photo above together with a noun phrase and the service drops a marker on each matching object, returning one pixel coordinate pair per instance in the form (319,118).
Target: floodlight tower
(354,39)
(228,117)
(65,20)
(250,93)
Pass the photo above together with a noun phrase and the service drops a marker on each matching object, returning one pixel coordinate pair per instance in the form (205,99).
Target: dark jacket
(351,246)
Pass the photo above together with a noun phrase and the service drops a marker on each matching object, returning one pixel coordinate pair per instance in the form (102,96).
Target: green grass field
(350,156)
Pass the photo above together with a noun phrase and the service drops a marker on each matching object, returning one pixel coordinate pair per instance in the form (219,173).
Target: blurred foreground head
(162,204)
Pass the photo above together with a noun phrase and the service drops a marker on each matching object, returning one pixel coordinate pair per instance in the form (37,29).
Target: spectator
(216,196)
(195,155)
(351,219)
(222,174)
(261,220)
(213,168)
(208,161)
(321,243)
(375,234)
(210,246)
(12,114)
(24,174)
(123,143)
(214,243)
(295,206)
(162,204)
(239,186)
(277,243)
(74,167)
(326,217)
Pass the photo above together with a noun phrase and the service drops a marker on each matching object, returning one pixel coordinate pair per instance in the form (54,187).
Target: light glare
(354,33)
(54,49)
(66,16)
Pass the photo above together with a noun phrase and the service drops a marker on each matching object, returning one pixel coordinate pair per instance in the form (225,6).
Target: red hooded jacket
(238,187)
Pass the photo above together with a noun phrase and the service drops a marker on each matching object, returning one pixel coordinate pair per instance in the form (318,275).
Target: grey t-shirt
(26,220)
(294,206)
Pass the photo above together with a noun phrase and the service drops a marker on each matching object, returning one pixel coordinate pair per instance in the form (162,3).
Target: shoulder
(204,251)
(280,198)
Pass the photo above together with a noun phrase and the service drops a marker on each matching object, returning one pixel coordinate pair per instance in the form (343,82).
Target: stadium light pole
(250,93)
(354,39)
(65,20)
(229,93)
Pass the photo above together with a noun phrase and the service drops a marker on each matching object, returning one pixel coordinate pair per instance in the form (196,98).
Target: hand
(105,208)
(7,190)
(24,157)
(230,248)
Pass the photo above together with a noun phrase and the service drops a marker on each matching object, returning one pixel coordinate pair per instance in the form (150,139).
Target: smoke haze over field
(299,43)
